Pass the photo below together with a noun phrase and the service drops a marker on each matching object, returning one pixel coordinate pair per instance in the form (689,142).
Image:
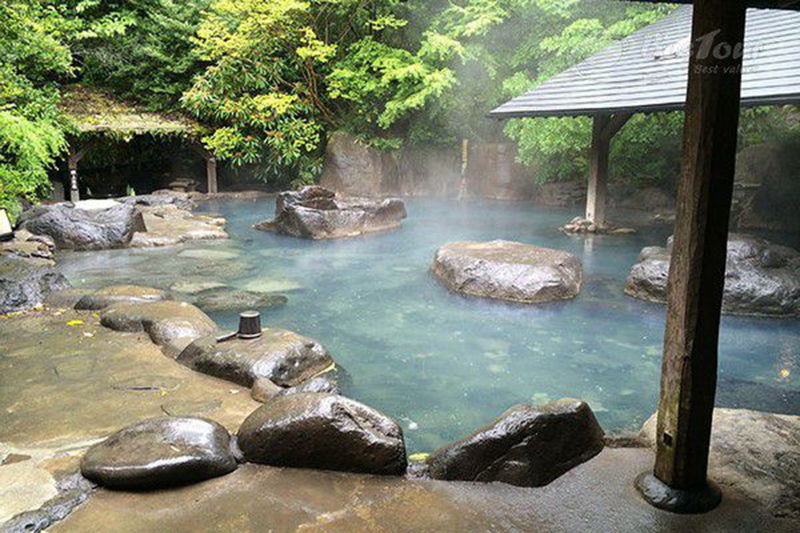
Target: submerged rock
(583,226)
(86,226)
(527,446)
(755,453)
(227,299)
(27,245)
(318,213)
(120,294)
(325,431)
(761,279)
(508,271)
(284,357)
(25,283)
(159,453)
(180,200)
(170,324)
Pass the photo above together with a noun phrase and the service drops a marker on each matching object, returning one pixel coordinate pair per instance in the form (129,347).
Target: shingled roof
(648,71)
(94,110)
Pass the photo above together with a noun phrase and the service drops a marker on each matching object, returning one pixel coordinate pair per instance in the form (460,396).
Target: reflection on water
(444,365)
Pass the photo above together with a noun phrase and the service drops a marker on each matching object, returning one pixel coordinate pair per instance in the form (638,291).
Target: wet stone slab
(596,496)
(66,379)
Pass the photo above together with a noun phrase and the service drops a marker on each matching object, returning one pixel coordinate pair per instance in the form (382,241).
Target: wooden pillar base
(662,496)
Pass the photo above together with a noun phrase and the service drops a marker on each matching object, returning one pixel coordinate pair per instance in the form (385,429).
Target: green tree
(139,49)
(33,59)
(284,72)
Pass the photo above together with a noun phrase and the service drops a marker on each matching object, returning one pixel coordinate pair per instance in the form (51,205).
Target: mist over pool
(441,364)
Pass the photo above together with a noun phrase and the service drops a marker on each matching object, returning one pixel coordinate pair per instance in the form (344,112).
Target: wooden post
(604,127)
(462,190)
(697,269)
(211,173)
(72,164)
(598,172)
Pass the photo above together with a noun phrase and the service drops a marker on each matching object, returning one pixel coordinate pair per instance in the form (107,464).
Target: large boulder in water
(318,213)
(25,283)
(284,357)
(90,225)
(172,325)
(761,278)
(160,453)
(528,446)
(325,431)
(507,270)
(755,453)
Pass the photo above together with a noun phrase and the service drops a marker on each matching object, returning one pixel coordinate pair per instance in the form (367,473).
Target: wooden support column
(211,167)
(604,127)
(697,269)
(211,173)
(72,165)
(598,171)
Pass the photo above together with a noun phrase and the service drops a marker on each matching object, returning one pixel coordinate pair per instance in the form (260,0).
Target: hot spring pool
(443,365)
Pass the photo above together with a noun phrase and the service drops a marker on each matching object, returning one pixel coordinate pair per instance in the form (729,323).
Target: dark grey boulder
(318,213)
(117,294)
(325,431)
(284,357)
(159,453)
(507,270)
(761,279)
(25,283)
(110,225)
(528,446)
(227,299)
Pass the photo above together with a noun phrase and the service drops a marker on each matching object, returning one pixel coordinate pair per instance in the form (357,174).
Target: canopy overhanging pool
(443,365)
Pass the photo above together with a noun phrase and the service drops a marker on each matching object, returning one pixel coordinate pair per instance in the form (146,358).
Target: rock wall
(352,168)
(768,187)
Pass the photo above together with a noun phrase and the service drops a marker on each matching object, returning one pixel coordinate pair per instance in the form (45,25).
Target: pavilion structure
(96,114)
(696,59)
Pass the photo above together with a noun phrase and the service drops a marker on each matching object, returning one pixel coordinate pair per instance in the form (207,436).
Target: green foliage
(646,149)
(140,49)
(282,73)
(32,58)
(273,78)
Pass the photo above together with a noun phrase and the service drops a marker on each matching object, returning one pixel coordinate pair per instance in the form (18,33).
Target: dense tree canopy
(273,78)
(33,58)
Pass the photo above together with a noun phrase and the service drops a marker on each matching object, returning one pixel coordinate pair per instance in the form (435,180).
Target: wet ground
(595,497)
(67,382)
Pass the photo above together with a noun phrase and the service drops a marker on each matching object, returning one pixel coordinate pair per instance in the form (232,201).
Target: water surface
(441,364)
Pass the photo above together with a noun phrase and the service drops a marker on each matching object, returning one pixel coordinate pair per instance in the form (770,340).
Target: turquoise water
(443,365)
